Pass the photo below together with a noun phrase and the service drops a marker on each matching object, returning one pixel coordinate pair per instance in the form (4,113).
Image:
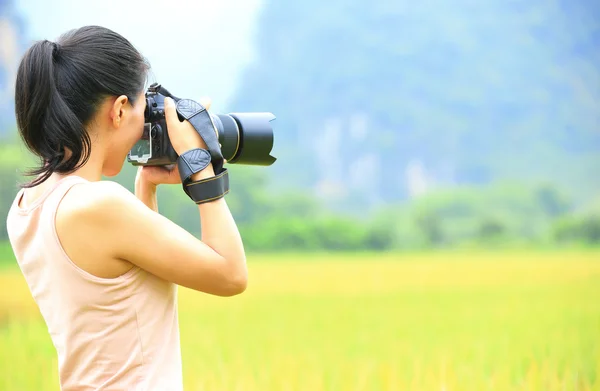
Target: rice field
(439,321)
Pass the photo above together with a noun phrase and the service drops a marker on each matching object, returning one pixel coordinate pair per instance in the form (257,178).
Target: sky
(196,48)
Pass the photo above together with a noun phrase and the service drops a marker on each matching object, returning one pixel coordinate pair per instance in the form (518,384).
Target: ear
(118,110)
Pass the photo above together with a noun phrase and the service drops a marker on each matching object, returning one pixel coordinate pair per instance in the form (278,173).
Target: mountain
(382,102)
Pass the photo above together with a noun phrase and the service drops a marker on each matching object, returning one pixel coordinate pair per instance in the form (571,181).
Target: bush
(578,229)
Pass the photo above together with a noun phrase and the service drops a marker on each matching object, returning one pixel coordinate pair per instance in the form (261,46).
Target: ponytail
(47,125)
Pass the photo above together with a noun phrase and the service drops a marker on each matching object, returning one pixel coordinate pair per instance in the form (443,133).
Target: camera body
(245,138)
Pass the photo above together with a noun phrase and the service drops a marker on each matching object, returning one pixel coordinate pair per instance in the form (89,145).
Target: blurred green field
(445,321)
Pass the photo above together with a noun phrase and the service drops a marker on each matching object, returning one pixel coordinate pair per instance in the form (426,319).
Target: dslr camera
(245,138)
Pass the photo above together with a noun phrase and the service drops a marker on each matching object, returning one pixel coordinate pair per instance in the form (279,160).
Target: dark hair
(58,89)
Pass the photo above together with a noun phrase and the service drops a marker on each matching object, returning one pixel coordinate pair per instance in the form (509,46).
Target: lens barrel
(246,138)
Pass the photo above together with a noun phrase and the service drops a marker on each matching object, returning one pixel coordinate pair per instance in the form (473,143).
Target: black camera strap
(196,160)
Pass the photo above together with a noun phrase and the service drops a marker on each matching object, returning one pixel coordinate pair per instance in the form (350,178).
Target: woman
(101,263)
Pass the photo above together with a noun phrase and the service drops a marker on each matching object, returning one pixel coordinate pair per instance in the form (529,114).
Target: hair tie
(55,49)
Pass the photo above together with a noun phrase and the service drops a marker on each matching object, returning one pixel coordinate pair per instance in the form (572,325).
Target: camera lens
(246,138)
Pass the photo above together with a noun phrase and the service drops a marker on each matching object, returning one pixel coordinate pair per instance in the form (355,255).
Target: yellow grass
(512,321)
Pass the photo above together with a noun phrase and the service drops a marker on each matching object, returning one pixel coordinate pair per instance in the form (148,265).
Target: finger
(155,174)
(161,175)
(206,102)
(174,176)
(170,114)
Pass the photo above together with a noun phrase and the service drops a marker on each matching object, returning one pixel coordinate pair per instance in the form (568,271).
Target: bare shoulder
(105,211)
(98,200)
(100,191)
(93,221)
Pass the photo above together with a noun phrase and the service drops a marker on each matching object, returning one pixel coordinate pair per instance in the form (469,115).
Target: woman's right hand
(183,136)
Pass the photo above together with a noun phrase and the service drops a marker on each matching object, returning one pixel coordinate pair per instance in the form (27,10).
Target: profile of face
(123,128)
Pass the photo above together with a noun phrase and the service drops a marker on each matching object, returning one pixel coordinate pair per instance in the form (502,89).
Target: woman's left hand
(157,175)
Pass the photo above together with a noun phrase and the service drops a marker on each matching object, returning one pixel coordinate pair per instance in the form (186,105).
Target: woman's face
(128,130)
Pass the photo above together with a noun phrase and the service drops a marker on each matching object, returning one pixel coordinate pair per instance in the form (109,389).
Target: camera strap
(205,190)
(198,159)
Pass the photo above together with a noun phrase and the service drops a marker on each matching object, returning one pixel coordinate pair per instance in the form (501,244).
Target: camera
(245,138)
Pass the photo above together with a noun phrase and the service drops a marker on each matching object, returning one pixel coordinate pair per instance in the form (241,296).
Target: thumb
(206,102)
(170,113)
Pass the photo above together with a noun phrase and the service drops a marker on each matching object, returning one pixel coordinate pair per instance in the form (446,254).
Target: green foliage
(578,229)
(7,257)
(14,161)
(494,216)
(333,233)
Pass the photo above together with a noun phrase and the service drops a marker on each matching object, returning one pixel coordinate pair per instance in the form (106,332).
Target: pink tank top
(109,333)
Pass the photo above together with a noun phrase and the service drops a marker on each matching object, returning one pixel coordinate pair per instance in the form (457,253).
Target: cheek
(132,133)
(138,127)
(122,143)
(136,132)
(126,139)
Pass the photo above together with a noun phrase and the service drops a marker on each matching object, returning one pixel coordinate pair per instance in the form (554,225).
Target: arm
(217,218)
(219,229)
(146,192)
(134,233)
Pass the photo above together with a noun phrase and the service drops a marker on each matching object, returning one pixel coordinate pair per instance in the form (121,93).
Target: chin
(112,169)
(110,173)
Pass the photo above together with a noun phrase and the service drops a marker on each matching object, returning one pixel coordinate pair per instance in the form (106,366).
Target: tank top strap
(53,197)
(60,189)
(53,194)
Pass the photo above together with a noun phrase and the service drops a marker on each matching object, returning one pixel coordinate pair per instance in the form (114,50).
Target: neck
(92,169)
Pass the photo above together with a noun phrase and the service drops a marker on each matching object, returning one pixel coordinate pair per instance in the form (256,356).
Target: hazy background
(438,159)
(399,124)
